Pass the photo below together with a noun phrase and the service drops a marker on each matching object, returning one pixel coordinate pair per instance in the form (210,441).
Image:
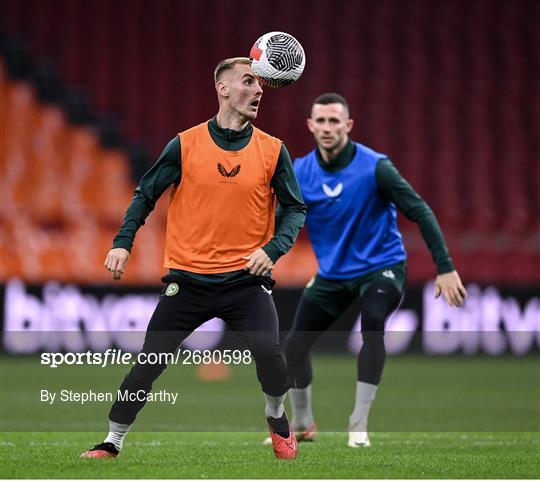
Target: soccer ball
(277,59)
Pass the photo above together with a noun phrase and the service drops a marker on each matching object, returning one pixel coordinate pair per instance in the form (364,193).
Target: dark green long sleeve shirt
(394,188)
(168,171)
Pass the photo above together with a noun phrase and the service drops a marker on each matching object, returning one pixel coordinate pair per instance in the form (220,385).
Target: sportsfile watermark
(121,358)
(73,384)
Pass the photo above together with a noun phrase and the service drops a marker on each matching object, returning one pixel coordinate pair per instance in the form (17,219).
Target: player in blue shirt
(353,193)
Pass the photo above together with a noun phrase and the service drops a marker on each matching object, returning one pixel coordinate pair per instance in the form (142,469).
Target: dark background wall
(448,89)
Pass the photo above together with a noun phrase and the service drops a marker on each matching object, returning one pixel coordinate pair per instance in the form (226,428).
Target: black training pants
(378,302)
(247,308)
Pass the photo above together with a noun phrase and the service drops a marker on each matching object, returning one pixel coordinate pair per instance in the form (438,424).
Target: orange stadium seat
(63,195)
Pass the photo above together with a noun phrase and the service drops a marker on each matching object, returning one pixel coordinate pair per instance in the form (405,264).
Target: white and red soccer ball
(277,59)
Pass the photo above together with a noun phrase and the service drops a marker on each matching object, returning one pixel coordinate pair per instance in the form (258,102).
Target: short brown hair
(228,64)
(331,98)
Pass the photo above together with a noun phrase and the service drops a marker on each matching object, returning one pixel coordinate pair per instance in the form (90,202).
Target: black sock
(280,425)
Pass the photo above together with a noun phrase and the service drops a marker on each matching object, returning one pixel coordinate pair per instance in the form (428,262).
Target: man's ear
(309,123)
(222,88)
(350,125)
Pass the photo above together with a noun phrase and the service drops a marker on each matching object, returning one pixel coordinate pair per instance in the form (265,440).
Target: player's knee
(372,322)
(264,352)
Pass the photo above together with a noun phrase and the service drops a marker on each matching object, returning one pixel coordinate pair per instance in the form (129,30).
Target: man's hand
(450,286)
(116,261)
(259,263)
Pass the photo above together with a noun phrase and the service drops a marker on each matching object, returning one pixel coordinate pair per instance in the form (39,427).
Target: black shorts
(243,305)
(335,296)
